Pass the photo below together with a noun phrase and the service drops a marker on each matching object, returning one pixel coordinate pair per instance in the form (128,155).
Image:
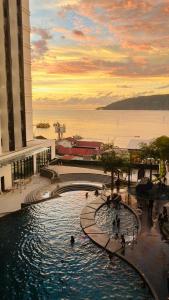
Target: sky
(89,53)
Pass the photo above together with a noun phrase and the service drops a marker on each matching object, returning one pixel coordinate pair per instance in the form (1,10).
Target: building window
(43,158)
(22,169)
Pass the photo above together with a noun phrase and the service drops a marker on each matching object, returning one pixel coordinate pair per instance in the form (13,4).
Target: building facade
(20,155)
(15,75)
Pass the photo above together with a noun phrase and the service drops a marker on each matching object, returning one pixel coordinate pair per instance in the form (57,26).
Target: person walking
(118,224)
(123,241)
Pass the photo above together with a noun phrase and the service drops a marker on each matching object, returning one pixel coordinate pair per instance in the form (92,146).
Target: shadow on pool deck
(151,252)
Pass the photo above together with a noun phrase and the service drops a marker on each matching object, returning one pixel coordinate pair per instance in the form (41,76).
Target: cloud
(136,25)
(78,101)
(163,87)
(101,47)
(40,39)
(78,33)
(130,67)
(123,86)
(43,33)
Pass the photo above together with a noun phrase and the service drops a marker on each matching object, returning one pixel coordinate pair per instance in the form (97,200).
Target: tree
(112,162)
(157,149)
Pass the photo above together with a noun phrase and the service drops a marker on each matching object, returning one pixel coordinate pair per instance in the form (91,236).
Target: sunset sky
(89,53)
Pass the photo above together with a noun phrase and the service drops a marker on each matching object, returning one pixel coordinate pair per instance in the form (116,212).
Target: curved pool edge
(102,239)
(141,274)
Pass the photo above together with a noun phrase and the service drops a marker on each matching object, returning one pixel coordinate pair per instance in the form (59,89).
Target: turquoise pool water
(38,262)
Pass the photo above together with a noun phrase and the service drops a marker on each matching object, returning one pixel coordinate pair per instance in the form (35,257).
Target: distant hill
(154,102)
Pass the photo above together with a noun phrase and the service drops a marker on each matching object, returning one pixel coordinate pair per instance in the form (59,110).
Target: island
(153,102)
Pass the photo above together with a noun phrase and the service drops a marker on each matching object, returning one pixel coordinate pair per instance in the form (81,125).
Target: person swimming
(72,240)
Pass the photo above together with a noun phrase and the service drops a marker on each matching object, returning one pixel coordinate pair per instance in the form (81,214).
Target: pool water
(128,222)
(38,262)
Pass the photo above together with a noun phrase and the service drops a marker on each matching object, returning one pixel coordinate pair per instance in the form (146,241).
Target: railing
(51,174)
(98,163)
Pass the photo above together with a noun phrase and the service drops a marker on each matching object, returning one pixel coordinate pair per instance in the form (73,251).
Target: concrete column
(0,186)
(34,164)
(0,137)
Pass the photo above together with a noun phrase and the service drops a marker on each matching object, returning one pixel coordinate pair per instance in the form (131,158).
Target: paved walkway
(41,187)
(61,169)
(151,252)
(11,201)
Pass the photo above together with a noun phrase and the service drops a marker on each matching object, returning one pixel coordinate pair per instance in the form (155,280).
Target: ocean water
(107,126)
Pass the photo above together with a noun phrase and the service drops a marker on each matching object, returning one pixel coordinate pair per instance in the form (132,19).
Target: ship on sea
(43,125)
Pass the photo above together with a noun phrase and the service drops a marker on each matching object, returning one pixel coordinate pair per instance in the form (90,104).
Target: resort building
(20,155)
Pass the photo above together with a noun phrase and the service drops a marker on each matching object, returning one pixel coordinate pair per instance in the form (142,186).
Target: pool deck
(41,187)
(150,252)
(11,201)
(89,226)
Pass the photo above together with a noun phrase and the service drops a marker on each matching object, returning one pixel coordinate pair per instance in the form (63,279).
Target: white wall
(53,150)
(65,143)
(7,173)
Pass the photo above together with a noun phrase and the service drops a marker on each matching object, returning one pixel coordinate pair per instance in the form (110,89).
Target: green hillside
(154,102)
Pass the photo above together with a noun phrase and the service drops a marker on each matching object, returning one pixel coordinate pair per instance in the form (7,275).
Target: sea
(109,126)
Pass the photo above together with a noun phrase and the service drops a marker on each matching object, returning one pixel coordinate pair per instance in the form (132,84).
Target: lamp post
(59,129)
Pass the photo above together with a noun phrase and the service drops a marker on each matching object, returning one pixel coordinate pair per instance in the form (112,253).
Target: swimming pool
(38,262)
(128,222)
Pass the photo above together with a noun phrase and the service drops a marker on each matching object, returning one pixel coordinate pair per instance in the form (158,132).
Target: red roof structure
(88,144)
(80,148)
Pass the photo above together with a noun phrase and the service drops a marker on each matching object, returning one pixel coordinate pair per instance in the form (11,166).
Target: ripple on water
(128,222)
(38,262)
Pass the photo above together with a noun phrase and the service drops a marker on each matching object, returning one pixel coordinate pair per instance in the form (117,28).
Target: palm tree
(157,149)
(112,162)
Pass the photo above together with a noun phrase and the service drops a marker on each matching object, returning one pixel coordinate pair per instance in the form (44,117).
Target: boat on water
(42,125)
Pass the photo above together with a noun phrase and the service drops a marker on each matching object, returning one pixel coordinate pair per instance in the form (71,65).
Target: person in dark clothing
(116,236)
(108,201)
(117,183)
(168,282)
(72,240)
(164,211)
(160,219)
(123,242)
(118,224)
(150,206)
(96,193)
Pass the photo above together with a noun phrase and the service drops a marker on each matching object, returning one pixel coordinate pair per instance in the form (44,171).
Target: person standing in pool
(72,240)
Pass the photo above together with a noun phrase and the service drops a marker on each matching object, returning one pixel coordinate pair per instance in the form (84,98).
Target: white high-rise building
(20,155)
